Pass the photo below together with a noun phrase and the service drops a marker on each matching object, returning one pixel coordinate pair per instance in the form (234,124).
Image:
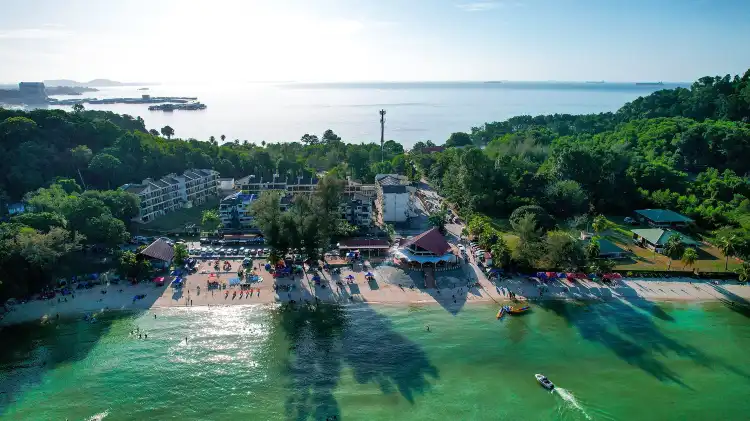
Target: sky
(185,41)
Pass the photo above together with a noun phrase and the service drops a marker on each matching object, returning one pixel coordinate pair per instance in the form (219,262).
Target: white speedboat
(544,381)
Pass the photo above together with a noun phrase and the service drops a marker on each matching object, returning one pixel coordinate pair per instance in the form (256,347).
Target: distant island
(40,93)
(649,83)
(96,83)
(68,90)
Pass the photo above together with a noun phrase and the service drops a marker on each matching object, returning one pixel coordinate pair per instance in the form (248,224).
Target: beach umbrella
(350,277)
(369,274)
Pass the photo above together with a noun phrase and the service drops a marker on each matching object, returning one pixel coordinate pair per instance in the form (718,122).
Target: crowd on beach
(356,281)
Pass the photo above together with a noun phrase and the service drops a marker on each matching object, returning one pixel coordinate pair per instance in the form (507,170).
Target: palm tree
(222,138)
(689,257)
(674,248)
(728,246)
(600,224)
(592,249)
(743,272)
(211,139)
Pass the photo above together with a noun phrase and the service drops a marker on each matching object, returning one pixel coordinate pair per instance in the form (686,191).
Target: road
(454,230)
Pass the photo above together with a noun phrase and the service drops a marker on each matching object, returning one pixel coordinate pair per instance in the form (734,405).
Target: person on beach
(186,339)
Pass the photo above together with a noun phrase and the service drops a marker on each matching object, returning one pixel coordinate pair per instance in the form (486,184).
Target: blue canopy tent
(234,281)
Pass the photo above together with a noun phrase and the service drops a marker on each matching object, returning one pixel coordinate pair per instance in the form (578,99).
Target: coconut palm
(600,224)
(728,246)
(223,137)
(689,257)
(592,249)
(743,272)
(674,248)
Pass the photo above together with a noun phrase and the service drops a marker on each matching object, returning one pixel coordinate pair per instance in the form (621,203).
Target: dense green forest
(110,150)
(683,149)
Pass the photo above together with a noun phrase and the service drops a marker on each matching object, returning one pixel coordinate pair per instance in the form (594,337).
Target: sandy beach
(391,285)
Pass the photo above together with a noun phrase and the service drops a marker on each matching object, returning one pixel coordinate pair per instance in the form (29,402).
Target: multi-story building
(394,198)
(255,184)
(357,211)
(172,192)
(234,211)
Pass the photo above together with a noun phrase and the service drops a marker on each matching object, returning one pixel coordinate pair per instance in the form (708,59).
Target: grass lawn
(710,259)
(176,221)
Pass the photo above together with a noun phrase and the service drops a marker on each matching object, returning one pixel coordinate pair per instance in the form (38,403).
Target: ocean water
(415,111)
(613,361)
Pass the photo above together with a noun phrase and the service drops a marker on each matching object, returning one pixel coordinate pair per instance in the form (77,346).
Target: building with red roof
(429,248)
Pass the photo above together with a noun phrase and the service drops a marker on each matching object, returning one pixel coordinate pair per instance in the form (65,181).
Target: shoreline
(390,286)
(93,302)
(78,313)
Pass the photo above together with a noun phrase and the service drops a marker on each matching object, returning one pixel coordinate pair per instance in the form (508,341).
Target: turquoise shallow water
(610,361)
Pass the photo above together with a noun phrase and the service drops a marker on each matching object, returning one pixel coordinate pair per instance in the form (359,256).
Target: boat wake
(570,400)
(98,417)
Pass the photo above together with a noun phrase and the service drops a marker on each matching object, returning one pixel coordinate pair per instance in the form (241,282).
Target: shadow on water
(326,338)
(631,296)
(31,350)
(633,336)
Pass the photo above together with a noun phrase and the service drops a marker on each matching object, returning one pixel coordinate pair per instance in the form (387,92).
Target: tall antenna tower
(382,133)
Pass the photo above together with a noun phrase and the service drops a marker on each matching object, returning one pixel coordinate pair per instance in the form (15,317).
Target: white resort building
(172,192)
(394,198)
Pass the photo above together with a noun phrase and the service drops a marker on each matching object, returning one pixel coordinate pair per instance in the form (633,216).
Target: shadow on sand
(326,338)
(733,301)
(452,291)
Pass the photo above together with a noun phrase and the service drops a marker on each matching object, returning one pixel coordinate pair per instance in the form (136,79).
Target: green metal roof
(663,215)
(660,237)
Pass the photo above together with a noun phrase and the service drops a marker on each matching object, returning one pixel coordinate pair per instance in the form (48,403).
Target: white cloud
(33,33)
(479,6)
